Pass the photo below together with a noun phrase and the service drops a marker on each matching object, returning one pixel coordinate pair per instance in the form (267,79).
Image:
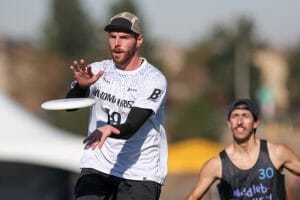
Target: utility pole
(242,70)
(242,59)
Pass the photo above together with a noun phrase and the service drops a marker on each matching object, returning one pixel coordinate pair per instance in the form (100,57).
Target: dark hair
(246,104)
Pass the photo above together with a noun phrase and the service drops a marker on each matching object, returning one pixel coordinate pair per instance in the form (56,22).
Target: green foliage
(75,121)
(69,35)
(69,32)
(122,6)
(198,118)
(216,56)
(294,74)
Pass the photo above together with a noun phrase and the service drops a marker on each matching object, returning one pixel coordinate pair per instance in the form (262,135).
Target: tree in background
(218,55)
(196,118)
(69,32)
(294,81)
(122,6)
(69,35)
(215,58)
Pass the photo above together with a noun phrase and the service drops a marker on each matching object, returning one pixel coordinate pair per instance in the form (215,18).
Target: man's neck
(244,155)
(133,64)
(247,146)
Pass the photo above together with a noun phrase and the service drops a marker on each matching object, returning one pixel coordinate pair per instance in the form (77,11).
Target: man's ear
(256,123)
(228,124)
(139,40)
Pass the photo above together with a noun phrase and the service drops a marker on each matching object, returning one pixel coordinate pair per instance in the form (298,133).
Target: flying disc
(66,104)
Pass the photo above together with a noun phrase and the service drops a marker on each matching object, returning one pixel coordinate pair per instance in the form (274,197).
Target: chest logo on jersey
(123,103)
(132,90)
(106,80)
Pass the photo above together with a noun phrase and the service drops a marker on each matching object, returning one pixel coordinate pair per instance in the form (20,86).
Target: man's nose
(240,120)
(117,41)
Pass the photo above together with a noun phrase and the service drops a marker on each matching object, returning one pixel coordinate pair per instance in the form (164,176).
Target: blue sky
(180,22)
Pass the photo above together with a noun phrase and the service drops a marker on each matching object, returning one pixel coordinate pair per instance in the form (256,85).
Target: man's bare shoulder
(279,153)
(278,149)
(213,167)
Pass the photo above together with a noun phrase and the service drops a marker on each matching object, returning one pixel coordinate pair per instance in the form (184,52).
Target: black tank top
(261,182)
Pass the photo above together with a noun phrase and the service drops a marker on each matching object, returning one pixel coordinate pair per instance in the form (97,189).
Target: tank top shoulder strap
(264,157)
(223,154)
(227,166)
(263,146)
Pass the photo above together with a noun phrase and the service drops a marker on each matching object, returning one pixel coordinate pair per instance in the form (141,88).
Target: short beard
(124,62)
(243,140)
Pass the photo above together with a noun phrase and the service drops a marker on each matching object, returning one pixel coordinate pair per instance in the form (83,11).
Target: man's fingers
(74,68)
(76,64)
(87,139)
(83,66)
(89,71)
(95,144)
(115,130)
(98,143)
(79,65)
(101,142)
(99,74)
(95,136)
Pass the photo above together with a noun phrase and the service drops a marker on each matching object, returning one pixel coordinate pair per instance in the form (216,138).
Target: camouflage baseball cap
(124,22)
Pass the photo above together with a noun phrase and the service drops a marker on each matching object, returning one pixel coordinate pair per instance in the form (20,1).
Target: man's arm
(136,118)
(286,157)
(209,173)
(84,79)
(78,92)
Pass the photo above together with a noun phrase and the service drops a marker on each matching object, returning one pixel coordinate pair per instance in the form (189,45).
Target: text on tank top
(261,182)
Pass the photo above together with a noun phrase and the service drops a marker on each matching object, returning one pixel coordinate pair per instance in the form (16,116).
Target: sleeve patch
(156,95)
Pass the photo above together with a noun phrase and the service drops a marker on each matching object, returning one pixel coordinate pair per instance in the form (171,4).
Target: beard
(121,57)
(242,137)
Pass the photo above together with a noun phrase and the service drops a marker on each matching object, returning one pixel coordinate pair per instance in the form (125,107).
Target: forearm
(78,92)
(136,118)
(196,195)
(192,197)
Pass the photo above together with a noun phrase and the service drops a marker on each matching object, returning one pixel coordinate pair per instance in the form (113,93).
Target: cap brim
(251,106)
(117,28)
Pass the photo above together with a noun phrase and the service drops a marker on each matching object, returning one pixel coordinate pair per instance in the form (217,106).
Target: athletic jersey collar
(133,71)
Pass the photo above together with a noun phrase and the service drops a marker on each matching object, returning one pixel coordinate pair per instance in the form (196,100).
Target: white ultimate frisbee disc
(66,104)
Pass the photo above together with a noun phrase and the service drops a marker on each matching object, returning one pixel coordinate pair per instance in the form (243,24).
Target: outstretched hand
(83,73)
(98,137)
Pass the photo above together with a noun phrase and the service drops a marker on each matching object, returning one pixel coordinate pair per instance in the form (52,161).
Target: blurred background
(210,51)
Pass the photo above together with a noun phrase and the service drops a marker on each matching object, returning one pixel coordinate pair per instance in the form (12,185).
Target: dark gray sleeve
(136,118)
(78,92)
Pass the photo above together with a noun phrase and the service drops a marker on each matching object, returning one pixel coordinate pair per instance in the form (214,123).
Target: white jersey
(144,155)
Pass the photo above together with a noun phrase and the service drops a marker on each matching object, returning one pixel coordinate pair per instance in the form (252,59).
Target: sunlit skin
(123,47)
(124,52)
(245,147)
(243,152)
(242,125)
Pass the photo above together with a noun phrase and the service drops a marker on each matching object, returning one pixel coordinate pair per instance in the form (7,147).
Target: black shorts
(95,185)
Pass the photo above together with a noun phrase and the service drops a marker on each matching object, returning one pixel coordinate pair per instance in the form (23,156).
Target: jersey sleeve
(152,94)
(97,67)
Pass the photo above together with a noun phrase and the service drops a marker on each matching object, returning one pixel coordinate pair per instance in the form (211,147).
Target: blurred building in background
(273,94)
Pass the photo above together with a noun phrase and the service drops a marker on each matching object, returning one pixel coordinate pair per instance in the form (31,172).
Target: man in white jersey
(125,153)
